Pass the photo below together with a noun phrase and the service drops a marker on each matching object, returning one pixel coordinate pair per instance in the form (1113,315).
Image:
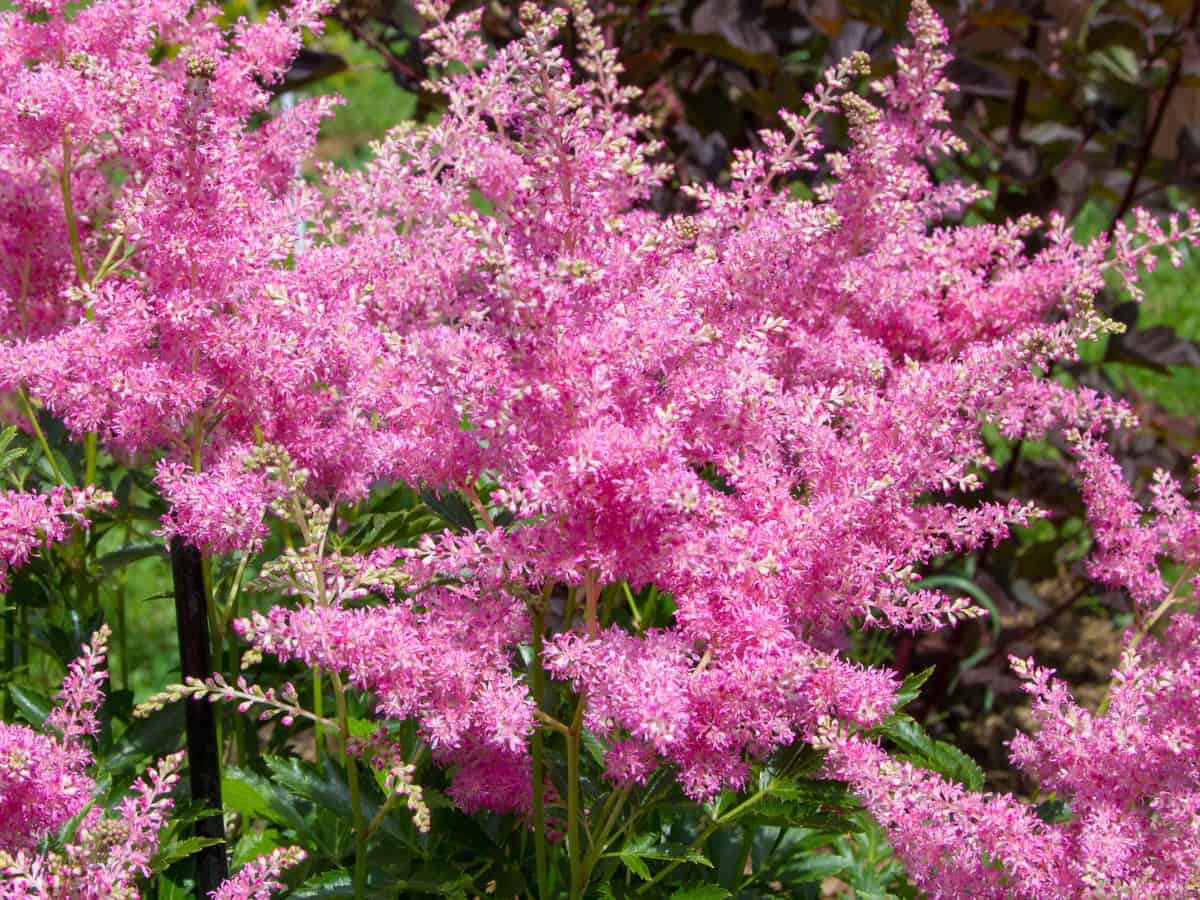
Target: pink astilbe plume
(43,778)
(768,413)
(259,878)
(1128,773)
(954,843)
(1129,540)
(164,312)
(28,521)
(46,781)
(768,409)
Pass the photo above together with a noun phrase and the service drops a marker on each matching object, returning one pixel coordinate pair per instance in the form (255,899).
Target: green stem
(10,655)
(608,819)
(703,837)
(105,266)
(122,620)
(27,409)
(574,808)
(319,709)
(392,801)
(64,186)
(85,280)
(633,607)
(360,827)
(245,738)
(538,767)
(90,452)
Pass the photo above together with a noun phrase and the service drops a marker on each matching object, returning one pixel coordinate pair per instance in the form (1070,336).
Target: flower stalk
(351,764)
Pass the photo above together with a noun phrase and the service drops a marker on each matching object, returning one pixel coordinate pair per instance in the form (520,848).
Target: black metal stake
(204,758)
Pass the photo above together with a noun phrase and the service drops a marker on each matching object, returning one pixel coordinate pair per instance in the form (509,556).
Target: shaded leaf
(451,507)
(722,48)
(34,706)
(180,849)
(701,892)
(130,554)
(1157,347)
(156,735)
(918,747)
(911,688)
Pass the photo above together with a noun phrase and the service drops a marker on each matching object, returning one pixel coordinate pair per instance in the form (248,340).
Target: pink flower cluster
(143,294)
(45,782)
(1127,774)
(767,409)
(1130,543)
(1128,777)
(28,521)
(259,878)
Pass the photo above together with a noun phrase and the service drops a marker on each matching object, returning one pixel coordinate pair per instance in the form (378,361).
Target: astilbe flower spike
(30,520)
(768,409)
(1128,773)
(43,778)
(45,783)
(259,878)
(763,409)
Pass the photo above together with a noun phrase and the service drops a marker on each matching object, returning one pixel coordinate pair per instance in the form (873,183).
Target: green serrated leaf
(254,844)
(646,846)
(811,792)
(635,865)
(180,849)
(327,884)
(911,688)
(919,748)
(325,786)
(253,796)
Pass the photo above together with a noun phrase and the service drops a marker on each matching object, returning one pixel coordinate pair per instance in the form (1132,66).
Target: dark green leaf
(156,735)
(379,885)
(701,892)
(34,706)
(131,553)
(180,849)
(720,47)
(938,756)
(451,507)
